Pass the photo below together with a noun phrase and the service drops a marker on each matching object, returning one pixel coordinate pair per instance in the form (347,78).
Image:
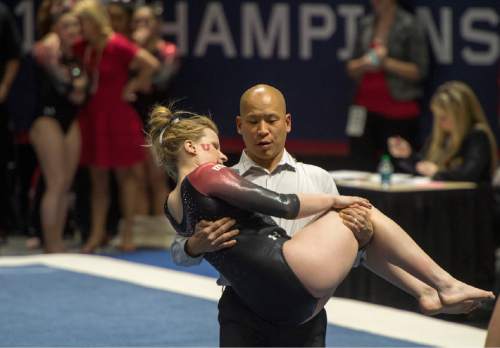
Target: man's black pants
(240,327)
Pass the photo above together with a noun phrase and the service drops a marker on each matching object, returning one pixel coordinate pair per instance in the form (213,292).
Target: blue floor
(51,307)
(42,306)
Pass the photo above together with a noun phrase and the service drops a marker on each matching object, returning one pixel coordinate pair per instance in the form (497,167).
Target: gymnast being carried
(300,273)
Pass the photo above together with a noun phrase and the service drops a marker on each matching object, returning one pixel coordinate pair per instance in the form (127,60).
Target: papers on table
(368,177)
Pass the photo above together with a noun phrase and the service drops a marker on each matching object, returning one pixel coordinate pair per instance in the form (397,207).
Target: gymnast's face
(207,149)
(264,124)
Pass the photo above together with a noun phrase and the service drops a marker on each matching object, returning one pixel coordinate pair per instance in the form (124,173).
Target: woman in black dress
(55,135)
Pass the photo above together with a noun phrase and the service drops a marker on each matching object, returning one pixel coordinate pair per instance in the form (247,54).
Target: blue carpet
(43,306)
(336,336)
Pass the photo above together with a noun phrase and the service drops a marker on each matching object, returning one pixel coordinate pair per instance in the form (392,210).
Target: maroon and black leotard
(255,266)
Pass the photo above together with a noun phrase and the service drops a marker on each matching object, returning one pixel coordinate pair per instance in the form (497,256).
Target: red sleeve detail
(221,182)
(210,176)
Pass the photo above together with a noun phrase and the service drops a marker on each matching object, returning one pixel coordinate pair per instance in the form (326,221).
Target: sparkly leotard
(255,266)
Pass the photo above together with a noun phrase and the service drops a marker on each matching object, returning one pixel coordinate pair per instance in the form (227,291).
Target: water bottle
(385,170)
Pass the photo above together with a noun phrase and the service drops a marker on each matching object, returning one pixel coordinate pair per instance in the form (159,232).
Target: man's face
(264,125)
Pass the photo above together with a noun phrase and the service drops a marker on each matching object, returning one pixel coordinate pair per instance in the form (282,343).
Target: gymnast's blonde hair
(168,130)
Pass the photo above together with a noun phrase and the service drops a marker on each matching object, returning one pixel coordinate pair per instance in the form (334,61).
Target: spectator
(54,133)
(120,15)
(389,63)
(10,56)
(461,147)
(146,34)
(111,129)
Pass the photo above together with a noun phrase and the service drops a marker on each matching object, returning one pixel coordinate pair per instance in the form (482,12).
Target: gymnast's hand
(357,219)
(211,236)
(340,202)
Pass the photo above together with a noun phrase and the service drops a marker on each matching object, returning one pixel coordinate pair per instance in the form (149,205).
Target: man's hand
(211,236)
(357,219)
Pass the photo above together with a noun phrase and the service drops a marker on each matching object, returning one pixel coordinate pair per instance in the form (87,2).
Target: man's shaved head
(262,95)
(264,124)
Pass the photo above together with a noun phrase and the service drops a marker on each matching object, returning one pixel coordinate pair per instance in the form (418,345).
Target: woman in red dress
(111,129)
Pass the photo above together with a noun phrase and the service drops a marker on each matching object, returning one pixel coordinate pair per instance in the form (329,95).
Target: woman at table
(300,273)
(461,147)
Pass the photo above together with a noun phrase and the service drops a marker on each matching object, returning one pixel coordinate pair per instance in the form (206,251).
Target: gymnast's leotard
(255,266)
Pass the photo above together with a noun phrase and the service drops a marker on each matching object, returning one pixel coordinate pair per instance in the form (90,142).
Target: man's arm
(208,237)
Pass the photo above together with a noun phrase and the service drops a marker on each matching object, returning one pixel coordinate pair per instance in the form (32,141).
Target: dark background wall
(301,48)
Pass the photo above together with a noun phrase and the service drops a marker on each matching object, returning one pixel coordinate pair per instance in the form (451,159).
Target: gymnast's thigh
(322,254)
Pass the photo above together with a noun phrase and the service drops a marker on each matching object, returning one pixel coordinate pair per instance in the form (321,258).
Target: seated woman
(300,273)
(462,146)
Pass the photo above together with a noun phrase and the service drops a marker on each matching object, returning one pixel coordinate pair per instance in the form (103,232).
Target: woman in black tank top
(55,135)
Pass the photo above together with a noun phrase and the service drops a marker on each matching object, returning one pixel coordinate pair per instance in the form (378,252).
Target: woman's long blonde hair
(168,130)
(458,100)
(94,10)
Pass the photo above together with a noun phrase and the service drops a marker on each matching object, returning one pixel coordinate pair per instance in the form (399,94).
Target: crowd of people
(100,70)
(101,66)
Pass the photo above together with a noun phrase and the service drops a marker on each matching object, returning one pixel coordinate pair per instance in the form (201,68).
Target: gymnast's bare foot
(460,293)
(430,304)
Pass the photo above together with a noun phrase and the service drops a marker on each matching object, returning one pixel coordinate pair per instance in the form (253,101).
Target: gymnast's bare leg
(323,252)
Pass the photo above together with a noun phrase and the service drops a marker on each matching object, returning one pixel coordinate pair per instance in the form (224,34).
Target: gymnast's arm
(221,182)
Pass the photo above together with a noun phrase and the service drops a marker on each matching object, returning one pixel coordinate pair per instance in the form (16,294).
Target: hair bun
(161,114)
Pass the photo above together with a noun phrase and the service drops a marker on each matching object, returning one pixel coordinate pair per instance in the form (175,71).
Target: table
(451,221)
